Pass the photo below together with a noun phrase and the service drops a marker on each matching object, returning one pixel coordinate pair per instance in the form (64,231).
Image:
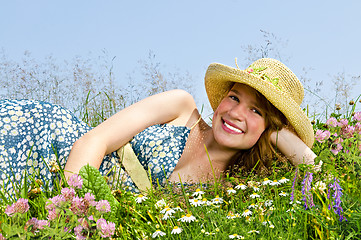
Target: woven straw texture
(286,95)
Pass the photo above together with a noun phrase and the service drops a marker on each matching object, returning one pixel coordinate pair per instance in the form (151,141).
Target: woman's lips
(229,127)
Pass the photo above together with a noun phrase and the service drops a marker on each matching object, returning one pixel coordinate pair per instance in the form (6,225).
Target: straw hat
(273,80)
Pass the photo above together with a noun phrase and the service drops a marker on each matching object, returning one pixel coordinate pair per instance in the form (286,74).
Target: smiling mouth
(231,129)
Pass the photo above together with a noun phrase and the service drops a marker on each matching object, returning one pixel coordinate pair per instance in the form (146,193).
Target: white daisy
(252,206)
(231,215)
(187,218)
(283,194)
(236,236)
(141,198)
(206,202)
(241,186)
(195,202)
(176,230)
(321,186)
(246,213)
(158,233)
(198,192)
(283,180)
(275,183)
(268,203)
(266,181)
(231,190)
(217,200)
(178,209)
(168,211)
(160,203)
(254,195)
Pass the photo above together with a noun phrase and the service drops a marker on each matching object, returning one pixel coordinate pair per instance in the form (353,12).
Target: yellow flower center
(188,215)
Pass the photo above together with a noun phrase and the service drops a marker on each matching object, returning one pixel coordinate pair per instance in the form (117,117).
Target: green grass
(273,215)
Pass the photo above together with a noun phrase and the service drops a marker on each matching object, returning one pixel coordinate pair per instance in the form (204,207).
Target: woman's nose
(238,112)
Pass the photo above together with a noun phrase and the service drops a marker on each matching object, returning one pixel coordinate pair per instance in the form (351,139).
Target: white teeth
(233,128)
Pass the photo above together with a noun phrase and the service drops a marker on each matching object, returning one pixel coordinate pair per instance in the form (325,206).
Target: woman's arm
(293,147)
(176,107)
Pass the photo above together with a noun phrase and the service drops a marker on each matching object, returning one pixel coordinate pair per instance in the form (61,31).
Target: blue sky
(188,34)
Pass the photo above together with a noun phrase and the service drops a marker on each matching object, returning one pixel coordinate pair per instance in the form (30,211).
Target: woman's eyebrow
(253,103)
(235,91)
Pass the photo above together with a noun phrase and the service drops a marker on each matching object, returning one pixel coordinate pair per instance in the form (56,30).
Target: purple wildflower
(293,186)
(2,237)
(78,207)
(343,123)
(321,136)
(78,231)
(348,131)
(90,198)
(75,181)
(358,128)
(103,206)
(57,201)
(52,214)
(106,228)
(42,223)
(68,193)
(332,122)
(37,224)
(306,187)
(10,210)
(357,116)
(336,204)
(83,223)
(20,206)
(336,148)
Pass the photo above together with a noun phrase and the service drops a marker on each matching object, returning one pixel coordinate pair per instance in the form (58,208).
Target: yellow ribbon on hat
(133,167)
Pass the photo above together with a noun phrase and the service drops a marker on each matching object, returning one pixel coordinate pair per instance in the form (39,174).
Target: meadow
(284,203)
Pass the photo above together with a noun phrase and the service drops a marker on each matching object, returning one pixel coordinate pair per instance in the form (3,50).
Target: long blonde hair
(263,151)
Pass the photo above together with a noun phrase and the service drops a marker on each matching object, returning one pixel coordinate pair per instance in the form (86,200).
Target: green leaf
(94,182)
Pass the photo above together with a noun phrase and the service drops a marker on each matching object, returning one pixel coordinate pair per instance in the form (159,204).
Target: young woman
(256,111)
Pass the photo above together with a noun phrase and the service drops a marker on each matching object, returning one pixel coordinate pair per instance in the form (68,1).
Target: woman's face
(239,121)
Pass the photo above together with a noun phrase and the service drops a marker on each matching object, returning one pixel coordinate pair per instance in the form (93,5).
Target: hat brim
(219,79)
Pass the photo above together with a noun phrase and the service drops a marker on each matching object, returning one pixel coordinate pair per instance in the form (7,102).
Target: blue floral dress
(35,136)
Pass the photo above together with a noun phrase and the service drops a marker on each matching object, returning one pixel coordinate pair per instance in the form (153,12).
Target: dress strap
(200,117)
(134,169)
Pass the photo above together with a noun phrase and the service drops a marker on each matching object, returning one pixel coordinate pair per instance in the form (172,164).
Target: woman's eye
(256,111)
(234,98)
